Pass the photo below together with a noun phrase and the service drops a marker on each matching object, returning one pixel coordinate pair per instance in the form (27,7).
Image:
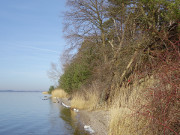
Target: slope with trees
(120,42)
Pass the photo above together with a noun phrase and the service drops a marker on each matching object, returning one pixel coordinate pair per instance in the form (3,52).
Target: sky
(31,38)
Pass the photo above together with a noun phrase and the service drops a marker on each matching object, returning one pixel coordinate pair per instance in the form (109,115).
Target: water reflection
(70,117)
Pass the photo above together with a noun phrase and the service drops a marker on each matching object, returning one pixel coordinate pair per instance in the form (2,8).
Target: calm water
(25,113)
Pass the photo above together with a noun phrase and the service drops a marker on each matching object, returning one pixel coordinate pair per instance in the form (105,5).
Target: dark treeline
(116,40)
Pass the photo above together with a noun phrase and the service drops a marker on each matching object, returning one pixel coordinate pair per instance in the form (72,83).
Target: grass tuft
(59,93)
(86,100)
(125,118)
(45,92)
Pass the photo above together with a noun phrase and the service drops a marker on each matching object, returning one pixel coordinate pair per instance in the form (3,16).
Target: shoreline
(95,122)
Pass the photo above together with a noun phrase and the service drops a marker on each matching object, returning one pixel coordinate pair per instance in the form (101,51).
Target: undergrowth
(86,99)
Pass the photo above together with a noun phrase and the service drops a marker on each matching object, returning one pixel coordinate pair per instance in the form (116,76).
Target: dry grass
(78,101)
(85,100)
(124,117)
(120,121)
(45,92)
(125,122)
(59,93)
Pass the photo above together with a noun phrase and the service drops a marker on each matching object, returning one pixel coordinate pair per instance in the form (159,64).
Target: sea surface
(32,113)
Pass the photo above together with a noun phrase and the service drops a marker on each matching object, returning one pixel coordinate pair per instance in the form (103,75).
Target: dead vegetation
(59,93)
(86,99)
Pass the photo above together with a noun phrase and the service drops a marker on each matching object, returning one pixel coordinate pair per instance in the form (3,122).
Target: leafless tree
(85,19)
(54,72)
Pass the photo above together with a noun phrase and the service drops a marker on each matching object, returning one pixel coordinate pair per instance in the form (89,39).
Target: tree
(54,73)
(74,76)
(51,88)
(86,19)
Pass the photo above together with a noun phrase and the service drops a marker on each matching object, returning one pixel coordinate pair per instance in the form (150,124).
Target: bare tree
(54,72)
(85,19)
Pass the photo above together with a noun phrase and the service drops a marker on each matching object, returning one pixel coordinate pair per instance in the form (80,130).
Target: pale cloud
(40,49)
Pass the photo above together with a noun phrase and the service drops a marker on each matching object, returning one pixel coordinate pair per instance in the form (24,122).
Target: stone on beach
(89,129)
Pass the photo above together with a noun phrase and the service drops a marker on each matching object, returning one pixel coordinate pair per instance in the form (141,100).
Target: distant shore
(20,91)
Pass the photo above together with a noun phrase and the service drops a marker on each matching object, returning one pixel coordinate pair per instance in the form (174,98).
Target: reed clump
(86,100)
(60,93)
(45,92)
(125,118)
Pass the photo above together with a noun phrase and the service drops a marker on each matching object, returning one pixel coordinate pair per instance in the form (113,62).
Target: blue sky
(31,38)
